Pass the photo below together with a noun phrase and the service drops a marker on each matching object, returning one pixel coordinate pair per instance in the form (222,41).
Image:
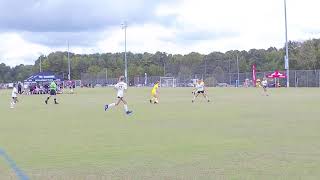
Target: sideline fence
(298,78)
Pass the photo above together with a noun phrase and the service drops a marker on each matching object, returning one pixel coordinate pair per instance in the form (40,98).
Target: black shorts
(53,92)
(200,92)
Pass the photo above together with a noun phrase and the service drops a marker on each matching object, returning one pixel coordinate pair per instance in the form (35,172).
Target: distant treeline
(303,55)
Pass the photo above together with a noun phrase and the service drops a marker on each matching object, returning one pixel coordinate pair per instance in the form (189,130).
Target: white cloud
(146,38)
(15,50)
(191,25)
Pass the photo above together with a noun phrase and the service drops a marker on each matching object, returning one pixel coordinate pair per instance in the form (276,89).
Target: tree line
(303,56)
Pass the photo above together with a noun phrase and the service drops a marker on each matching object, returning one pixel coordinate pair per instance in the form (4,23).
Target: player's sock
(46,101)
(125,108)
(111,105)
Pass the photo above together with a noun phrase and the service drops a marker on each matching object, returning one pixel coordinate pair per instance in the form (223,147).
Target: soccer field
(239,135)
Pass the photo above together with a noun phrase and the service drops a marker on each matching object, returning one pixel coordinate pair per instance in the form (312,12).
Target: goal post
(168,82)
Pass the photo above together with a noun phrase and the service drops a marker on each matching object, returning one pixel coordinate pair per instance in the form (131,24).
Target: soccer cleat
(106,107)
(56,103)
(192,101)
(129,112)
(46,101)
(150,101)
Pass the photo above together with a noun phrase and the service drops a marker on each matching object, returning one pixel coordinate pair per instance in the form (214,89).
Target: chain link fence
(298,78)
(88,79)
(310,78)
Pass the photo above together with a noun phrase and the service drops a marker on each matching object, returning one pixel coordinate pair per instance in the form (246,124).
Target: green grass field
(240,135)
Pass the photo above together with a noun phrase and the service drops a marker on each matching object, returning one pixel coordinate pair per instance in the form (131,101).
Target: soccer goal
(168,82)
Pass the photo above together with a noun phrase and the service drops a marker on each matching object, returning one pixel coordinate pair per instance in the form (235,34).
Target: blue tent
(43,77)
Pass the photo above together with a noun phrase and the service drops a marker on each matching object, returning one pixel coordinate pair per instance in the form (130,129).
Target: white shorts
(120,95)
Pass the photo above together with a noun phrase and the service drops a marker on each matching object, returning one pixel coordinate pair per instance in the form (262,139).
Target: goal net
(168,82)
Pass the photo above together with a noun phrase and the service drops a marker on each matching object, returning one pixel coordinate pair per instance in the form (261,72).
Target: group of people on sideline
(42,88)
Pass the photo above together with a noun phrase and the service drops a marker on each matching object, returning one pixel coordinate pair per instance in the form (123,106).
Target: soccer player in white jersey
(14,96)
(264,84)
(121,87)
(200,89)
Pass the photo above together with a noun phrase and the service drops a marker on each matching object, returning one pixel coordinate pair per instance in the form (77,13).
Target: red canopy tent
(276,75)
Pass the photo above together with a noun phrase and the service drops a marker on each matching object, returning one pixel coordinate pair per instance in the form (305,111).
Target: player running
(155,93)
(14,96)
(53,92)
(264,84)
(121,86)
(200,89)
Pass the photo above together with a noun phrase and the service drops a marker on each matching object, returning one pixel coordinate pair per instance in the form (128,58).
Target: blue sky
(34,27)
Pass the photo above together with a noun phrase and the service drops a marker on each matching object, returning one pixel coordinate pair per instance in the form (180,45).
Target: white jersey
(200,87)
(264,83)
(14,92)
(120,87)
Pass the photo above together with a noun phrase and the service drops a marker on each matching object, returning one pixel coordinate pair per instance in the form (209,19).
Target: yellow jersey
(154,89)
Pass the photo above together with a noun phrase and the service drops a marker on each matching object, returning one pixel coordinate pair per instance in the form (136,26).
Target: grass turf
(240,135)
